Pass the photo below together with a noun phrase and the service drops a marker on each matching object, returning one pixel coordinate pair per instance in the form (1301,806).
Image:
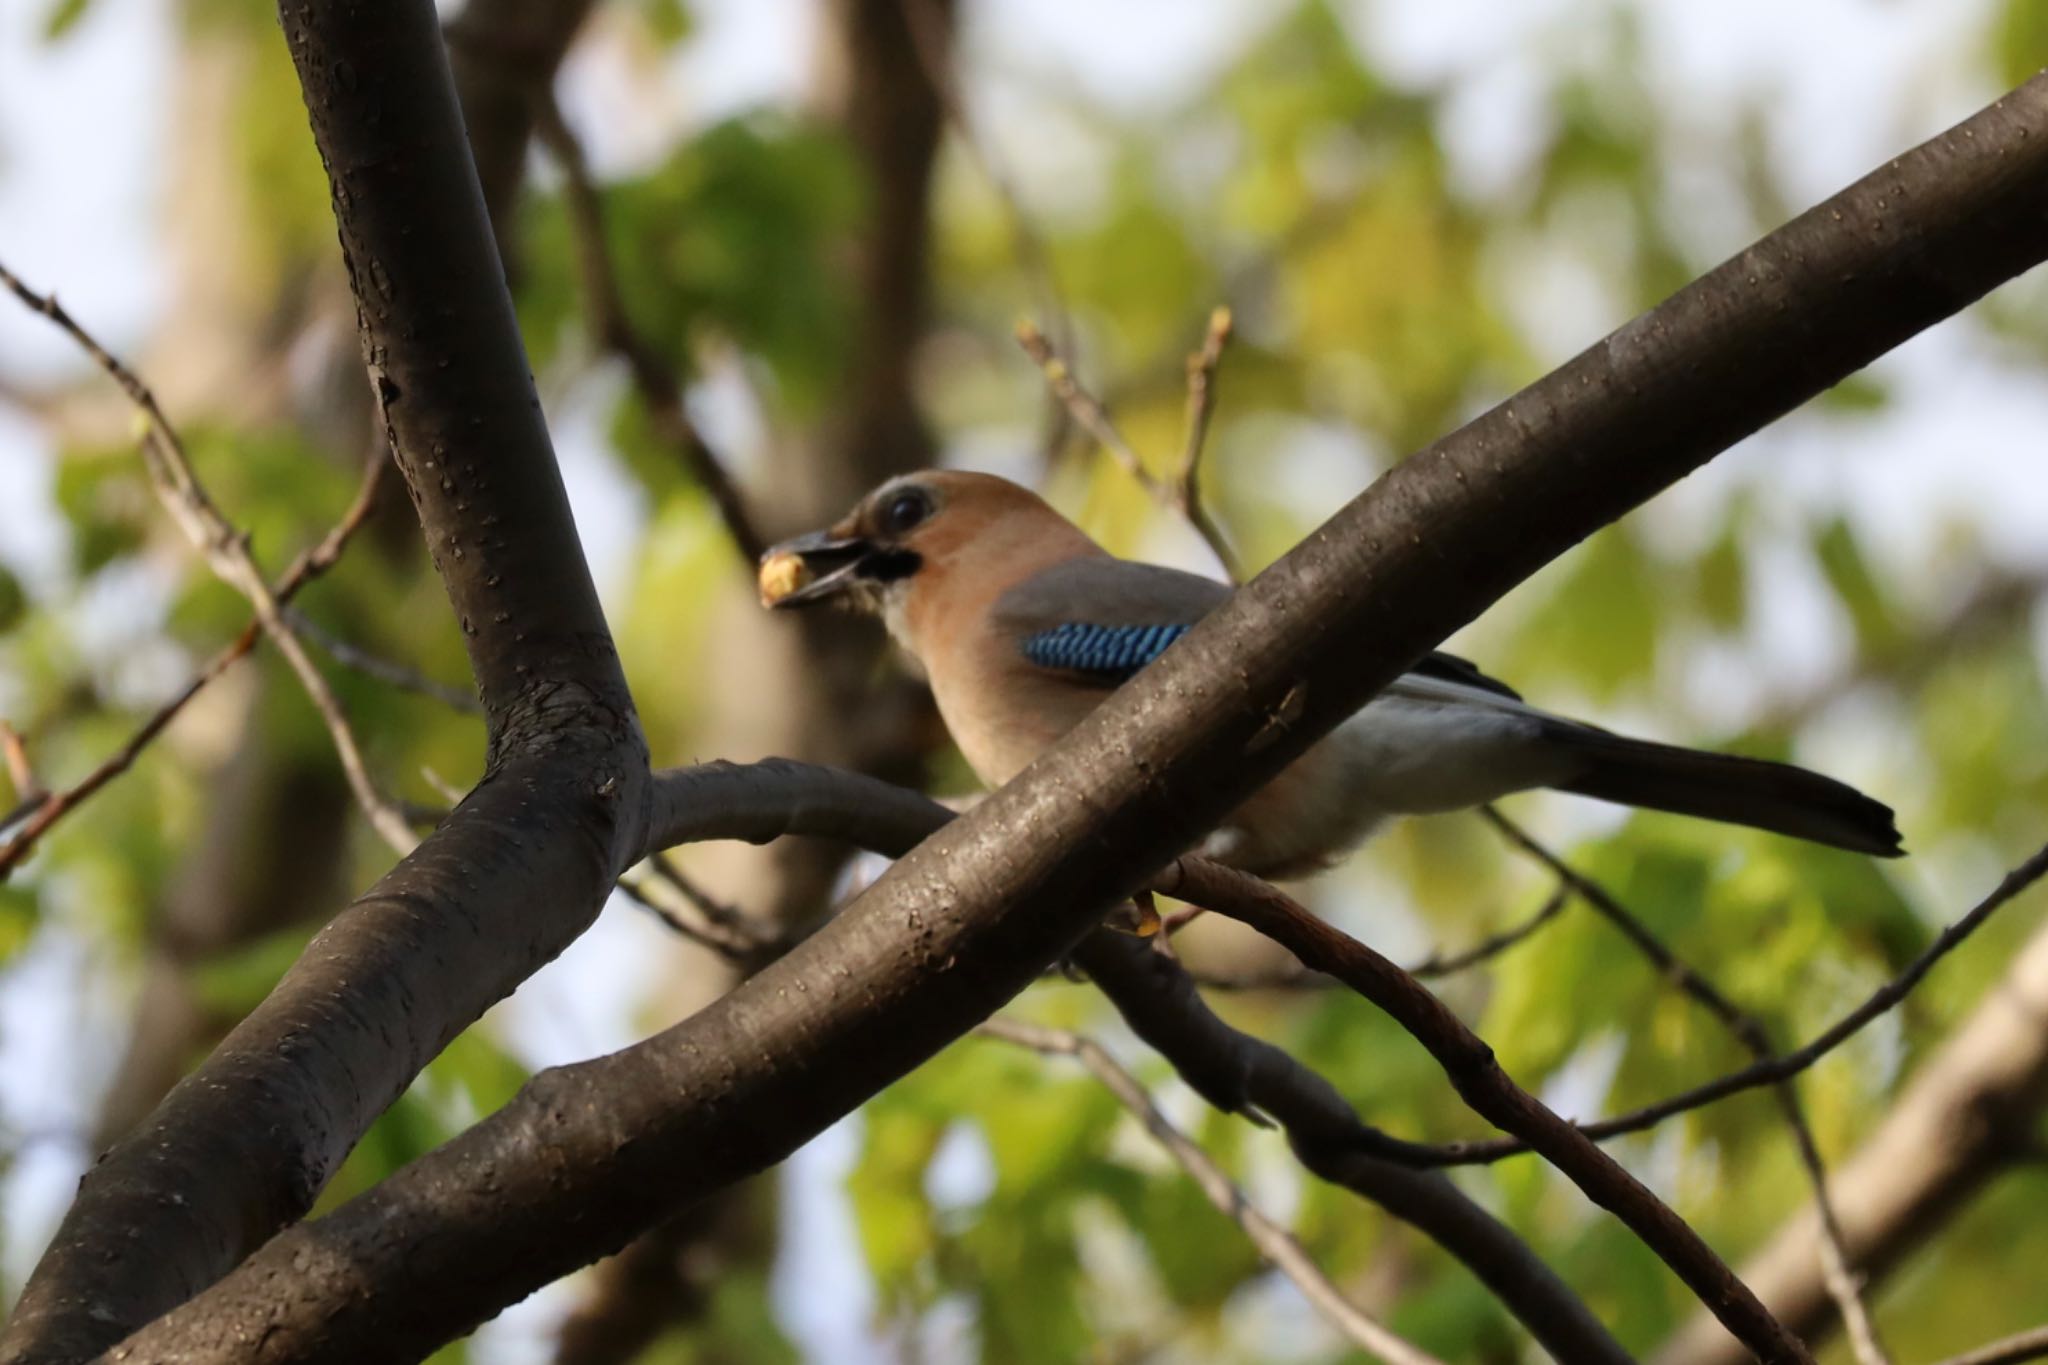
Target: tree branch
(1478,1078)
(1238,1073)
(226,552)
(1786,1065)
(965,921)
(244,1144)
(54,806)
(604,309)
(1969,1114)
(1842,1284)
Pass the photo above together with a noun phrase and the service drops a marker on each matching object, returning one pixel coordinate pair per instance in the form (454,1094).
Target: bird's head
(913,532)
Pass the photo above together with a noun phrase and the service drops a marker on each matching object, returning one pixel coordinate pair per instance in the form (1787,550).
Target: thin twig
(226,551)
(1279,1246)
(930,41)
(1843,1285)
(1180,495)
(604,312)
(1432,968)
(1187,493)
(308,566)
(22,773)
(1786,1065)
(353,656)
(2028,1345)
(1479,1080)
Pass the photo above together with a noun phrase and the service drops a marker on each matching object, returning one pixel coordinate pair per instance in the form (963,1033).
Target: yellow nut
(782,573)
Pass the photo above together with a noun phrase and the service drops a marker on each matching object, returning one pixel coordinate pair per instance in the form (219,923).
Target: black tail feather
(1741,791)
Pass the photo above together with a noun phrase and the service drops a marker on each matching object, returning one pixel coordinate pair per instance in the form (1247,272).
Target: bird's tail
(1743,791)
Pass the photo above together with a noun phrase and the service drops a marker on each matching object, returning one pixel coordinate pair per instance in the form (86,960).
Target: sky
(80,184)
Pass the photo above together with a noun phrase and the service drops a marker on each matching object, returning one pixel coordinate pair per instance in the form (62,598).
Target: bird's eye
(905,510)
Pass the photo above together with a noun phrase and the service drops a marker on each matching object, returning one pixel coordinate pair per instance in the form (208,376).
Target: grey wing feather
(1122,592)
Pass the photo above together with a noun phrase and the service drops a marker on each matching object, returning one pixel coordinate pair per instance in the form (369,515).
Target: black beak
(831,563)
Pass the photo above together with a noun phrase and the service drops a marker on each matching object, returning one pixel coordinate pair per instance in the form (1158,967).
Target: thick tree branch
(769,800)
(970,917)
(244,1144)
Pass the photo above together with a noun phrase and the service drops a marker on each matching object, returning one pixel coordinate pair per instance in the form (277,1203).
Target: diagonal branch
(1238,1073)
(226,551)
(1478,1078)
(604,309)
(54,806)
(1273,1241)
(1842,1283)
(1785,1065)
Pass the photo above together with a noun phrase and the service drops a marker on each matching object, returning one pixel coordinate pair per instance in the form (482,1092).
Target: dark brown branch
(1432,968)
(1478,1078)
(1970,1115)
(1784,1066)
(1238,1073)
(352,656)
(54,806)
(244,1144)
(1842,1283)
(977,911)
(762,802)
(653,375)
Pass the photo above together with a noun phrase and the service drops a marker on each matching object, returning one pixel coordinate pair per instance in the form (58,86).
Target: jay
(1023,625)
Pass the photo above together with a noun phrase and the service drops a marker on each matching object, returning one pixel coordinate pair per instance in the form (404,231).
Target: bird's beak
(811,568)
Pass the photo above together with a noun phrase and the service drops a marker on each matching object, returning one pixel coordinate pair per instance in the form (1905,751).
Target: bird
(1022,624)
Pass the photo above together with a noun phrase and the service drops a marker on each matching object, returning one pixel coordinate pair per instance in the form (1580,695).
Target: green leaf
(13,600)
(2020,40)
(1840,554)
(62,18)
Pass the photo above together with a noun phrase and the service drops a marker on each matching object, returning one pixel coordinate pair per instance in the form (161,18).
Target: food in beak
(783,573)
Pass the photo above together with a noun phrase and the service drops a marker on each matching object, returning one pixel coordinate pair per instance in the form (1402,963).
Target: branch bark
(244,1144)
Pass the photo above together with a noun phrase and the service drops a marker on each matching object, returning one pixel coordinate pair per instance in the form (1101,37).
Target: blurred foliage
(1383,293)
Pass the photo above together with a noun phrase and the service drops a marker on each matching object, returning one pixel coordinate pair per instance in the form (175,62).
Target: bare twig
(604,310)
(226,551)
(384,670)
(1187,493)
(1842,1284)
(1083,407)
(1180,495)
(932,43)
(1479,1080)
(27,790)
(2028,1345)
(308,566)
(1279,1246)
(1434,967)
(1785,1065)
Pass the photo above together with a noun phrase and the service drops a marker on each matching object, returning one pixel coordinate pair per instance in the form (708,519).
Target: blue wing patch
(1104,651)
